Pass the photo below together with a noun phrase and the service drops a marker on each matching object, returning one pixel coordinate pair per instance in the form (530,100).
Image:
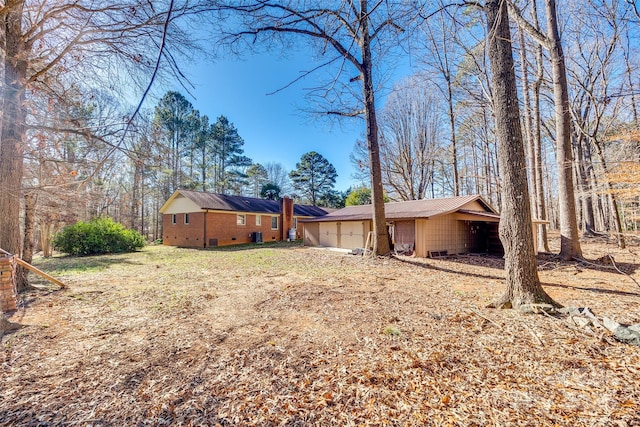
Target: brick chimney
(286,217)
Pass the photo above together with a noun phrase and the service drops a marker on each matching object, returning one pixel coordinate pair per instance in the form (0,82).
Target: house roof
(411,209)
(223,202)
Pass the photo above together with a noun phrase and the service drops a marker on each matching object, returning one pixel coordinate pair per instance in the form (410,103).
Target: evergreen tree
(314,176)
(270,191)
(203,147)
(257,175)
(174,115)
(229,158)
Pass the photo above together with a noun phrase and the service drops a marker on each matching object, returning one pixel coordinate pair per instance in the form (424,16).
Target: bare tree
(355,32)
(279,176)
(410,138)
(569,239)
(592,71)
(46,45)
(441,47)
(523,284)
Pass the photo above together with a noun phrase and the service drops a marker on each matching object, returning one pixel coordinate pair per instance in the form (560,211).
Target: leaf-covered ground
(293,336)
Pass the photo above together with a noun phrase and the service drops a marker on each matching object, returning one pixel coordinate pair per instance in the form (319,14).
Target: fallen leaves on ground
(293,336)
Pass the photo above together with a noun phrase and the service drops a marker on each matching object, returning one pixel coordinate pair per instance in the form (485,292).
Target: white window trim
(241,219)
(277,222)
(186,219)
(258,219)
(174,219)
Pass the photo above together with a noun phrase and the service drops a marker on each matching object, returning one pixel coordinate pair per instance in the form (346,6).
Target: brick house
(200,220)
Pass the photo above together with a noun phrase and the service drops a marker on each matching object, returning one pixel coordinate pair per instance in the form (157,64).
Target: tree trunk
(588,218)
(615,211)
(12,135)
(541,208)
(540,200)
(381,244)
(135,197)
(30,201)
(569,238)
(454,148)
(523,284)
(528,124)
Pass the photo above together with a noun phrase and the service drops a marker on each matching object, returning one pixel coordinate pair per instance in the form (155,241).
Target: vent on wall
(213,242)
(437,254)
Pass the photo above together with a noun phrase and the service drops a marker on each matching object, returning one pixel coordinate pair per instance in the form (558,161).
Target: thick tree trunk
(523,284)
(12,135)
(569,237)
(528,124)
(381,244)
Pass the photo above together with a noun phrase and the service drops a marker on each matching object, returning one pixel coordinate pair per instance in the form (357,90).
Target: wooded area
(73,148)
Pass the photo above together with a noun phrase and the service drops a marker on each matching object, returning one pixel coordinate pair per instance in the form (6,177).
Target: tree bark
(523,284)
(588,218)
(12,134)
(381,237)
(615,211)
(454,148)
(541,208)
(569,237)
(528,126)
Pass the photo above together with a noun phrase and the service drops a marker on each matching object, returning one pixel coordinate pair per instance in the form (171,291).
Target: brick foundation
(8,294)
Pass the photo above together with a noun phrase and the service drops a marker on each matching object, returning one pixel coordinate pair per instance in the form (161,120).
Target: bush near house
(98,236)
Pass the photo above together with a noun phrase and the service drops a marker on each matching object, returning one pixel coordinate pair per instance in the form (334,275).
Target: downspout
(204,237)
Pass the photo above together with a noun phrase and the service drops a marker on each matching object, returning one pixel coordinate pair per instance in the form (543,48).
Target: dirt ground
(293,336)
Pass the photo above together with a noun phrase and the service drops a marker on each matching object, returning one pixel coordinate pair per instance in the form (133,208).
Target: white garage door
(329,234)
(352,235)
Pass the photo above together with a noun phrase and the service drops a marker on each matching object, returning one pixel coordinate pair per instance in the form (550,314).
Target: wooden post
(28,266)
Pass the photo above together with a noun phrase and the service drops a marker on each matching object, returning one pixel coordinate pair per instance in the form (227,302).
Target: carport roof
(413,209)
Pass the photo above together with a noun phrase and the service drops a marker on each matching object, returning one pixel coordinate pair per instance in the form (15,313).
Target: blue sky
(274,127)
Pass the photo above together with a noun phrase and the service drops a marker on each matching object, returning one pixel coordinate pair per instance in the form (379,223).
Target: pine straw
(297,336)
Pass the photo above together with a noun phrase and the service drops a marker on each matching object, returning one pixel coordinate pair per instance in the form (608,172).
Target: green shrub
(98,236)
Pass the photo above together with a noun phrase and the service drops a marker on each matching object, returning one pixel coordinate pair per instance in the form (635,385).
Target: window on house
(173,219)
(258,220)
(241,219)
(186,218)
(295,223)
(274,222)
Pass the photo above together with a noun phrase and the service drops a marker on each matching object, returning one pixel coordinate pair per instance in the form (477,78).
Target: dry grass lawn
(285,335)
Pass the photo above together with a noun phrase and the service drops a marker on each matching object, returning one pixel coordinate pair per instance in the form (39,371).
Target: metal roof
(223,202)
(426,208)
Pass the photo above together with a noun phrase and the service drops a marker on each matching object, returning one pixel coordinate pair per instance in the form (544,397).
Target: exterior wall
(444,233)
(311,233)
(220,226)
(180,234)
(300,227)
(181,205)
(224,228)
(473,206)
